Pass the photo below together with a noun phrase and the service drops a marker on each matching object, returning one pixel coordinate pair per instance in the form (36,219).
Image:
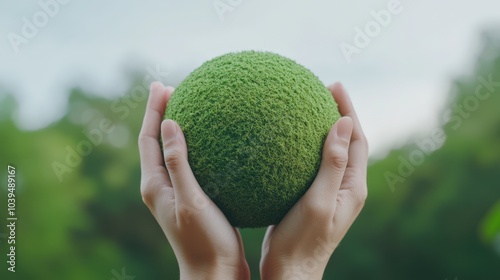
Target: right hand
(300,246)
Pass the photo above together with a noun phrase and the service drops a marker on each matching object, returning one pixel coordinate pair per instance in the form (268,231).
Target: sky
(396,58)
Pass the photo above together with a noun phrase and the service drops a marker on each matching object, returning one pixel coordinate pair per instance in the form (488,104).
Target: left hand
(204,242)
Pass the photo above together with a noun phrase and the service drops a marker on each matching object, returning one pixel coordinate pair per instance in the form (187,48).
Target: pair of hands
(207,246)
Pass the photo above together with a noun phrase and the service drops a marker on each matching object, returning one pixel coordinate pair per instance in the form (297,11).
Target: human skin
(204,242)
(301,245)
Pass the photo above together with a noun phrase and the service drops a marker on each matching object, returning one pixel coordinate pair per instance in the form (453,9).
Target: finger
(240,243)
(358,150)
(154,177)
(323,192)
(190,198)
(149,148)
(353,191)
(346,108)
(267,239)
(349,205)
(240,240)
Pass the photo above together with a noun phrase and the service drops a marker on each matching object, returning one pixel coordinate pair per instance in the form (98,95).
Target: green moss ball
(255,124)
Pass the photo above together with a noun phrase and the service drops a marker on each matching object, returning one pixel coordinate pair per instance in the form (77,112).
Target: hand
(205,244)
(300,246)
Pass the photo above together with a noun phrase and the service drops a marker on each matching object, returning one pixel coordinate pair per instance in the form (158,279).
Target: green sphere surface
(255,124)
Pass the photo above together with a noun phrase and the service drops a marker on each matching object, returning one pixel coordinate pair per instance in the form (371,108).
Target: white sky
(398,83)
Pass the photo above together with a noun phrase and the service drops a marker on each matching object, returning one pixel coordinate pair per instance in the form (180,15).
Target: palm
(198,231)
(313,228)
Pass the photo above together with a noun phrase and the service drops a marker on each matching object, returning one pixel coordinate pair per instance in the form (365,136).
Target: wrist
(307,269)
(213,271)
(207,273)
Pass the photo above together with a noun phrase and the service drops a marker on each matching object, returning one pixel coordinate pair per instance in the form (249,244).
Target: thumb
(324,189)
(188,194)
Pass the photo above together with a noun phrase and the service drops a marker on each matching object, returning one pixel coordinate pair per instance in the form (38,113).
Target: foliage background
(442,221)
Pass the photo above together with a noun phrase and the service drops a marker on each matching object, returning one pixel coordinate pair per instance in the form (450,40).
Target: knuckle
(173,158)
(320,211)
(142,140)
(360,197)
(366,146)
(337,157)
(363,195)
(147,196)
(148,188)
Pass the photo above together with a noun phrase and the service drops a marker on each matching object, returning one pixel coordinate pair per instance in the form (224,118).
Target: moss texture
(255,124)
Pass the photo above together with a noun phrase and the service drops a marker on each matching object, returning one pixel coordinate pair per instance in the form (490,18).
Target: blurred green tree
(81,215)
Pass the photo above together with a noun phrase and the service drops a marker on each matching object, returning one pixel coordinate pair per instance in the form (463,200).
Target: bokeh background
(424,77)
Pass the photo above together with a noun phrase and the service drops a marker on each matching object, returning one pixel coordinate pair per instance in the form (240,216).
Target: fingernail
(344,128)
(336,85)
(155,84)
(169,130)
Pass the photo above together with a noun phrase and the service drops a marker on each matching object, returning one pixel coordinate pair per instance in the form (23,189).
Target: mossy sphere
(255,124)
